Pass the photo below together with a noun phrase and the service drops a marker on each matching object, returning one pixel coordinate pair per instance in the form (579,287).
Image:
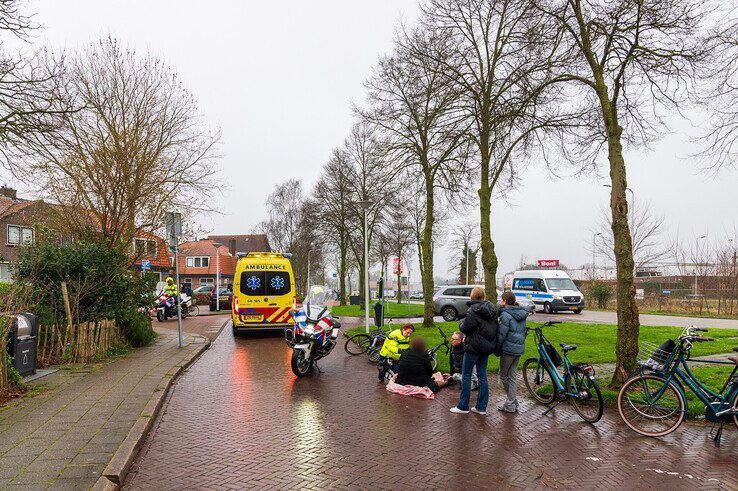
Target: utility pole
(467,263)
(308,275)
(365,205)
(174,232)
(696,251)
(217,275)
(594,268)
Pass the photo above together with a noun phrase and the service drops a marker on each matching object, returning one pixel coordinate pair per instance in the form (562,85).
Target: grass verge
(392,309)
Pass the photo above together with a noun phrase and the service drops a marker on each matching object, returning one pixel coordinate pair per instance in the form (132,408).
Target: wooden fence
(81,343)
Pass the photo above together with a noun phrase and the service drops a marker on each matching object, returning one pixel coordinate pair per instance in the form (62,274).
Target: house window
(206,282)
(144,247)
(18,235)
(188,281)
(6,272)
(198,262)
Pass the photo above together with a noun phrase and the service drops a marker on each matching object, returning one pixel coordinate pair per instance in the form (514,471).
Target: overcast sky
(278,79)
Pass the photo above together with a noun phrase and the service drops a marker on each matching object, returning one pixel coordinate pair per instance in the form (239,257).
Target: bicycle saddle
(568,347)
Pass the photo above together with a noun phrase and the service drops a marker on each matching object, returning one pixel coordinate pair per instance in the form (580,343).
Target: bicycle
(432,353)
(371,343)
(576,384)
(653,401)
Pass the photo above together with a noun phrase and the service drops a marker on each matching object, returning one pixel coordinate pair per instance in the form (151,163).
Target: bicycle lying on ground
(653,402)
(577,382)
(370,344)
(433,352)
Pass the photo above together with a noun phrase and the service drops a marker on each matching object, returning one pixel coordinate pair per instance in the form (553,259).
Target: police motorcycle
(166,307)
(315,331)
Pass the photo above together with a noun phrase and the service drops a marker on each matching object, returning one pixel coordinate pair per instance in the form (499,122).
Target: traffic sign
(398,265)
(145,264)
(335,275)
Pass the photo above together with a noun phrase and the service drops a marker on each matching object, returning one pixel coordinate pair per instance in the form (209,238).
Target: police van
(550,290)
(263,291)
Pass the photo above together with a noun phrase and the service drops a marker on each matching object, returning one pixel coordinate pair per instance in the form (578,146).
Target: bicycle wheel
(193,311)
(735,409)
(589,404)
(650,406)
(357,344)
(373,353)
(538,381)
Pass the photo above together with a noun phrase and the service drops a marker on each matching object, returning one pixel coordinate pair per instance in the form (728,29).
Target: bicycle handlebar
(701,339)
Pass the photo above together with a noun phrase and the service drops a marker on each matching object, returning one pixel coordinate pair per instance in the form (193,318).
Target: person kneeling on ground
(415,367)
(511,343)
(456,358)
(394,344)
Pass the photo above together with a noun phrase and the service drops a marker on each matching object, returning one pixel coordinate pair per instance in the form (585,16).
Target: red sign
(397,265)
(548,263)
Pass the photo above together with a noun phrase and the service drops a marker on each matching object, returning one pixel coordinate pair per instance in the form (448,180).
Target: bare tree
(397,233)
(647,230)
(32,95)
(136,149)
(465,246)
(371,184)
(651,48)
(416,108)
(497,53)
(332,195)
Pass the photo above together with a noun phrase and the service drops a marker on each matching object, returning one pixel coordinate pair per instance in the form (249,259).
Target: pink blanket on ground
(413,390)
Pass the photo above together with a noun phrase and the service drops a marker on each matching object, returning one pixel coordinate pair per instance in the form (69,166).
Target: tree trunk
(426,270)
(342,275)
(399,280)
(489,258)
(626,345)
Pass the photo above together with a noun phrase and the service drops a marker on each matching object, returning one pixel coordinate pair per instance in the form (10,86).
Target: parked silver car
(450,301)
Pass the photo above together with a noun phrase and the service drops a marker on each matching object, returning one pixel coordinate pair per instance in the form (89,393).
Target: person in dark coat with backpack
(511,345)
(480,328)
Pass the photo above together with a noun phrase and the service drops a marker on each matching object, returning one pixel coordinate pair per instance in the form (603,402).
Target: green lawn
(392,309)
(596,342)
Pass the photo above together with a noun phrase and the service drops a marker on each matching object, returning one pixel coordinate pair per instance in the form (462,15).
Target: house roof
(10,206)
(244,243)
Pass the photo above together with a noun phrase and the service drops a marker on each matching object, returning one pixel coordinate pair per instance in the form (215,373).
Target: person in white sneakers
(480,329)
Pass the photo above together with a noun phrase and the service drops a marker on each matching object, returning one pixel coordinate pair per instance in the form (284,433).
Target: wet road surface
(239,418)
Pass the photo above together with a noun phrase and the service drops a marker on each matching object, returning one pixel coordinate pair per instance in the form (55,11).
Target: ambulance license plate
(253,318)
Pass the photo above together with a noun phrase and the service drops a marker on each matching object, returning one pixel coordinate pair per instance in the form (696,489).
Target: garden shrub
(601,292)
(137,329)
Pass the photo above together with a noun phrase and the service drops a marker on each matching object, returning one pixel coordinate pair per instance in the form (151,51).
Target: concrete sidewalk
(88,419)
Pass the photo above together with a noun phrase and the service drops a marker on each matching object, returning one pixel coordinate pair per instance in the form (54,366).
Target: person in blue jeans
(480,327)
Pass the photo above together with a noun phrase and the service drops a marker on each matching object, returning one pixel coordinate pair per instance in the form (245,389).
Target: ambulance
(263,291)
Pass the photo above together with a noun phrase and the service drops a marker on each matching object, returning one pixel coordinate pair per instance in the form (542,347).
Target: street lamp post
(365,206)
(308,275)
(217,275)
(696,242)
(594,268)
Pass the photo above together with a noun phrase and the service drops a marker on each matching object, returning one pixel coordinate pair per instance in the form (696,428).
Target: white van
(550,290)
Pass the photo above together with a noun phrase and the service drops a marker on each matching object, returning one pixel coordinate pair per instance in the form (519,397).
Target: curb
(115,472)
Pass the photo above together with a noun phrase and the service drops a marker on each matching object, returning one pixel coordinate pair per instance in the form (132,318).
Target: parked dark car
(226,298)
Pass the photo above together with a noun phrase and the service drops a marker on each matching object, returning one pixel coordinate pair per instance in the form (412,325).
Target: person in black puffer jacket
(480,327)
(415,368)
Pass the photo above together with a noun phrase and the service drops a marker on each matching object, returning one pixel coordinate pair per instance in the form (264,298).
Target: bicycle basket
(655,357)
(553,354)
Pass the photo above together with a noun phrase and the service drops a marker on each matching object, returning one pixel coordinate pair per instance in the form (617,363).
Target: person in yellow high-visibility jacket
(171,288)
(394,344)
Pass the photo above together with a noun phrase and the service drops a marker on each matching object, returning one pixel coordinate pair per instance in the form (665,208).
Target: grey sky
(278,78)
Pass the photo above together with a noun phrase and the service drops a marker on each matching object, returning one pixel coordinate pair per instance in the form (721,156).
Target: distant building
(198,260)
(243,243)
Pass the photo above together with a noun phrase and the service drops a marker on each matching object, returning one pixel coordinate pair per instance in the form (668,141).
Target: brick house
(21,220)
(198,259)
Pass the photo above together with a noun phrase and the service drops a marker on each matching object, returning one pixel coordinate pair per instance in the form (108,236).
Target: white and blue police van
(550,290)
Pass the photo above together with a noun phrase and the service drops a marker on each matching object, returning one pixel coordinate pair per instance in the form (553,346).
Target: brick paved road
(204,325)
(239,419)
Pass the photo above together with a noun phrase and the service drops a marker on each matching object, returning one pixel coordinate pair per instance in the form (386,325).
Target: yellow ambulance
(263,291)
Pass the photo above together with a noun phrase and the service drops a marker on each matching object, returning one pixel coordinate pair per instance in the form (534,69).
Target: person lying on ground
(394,344)
(415,368)
(456,358)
